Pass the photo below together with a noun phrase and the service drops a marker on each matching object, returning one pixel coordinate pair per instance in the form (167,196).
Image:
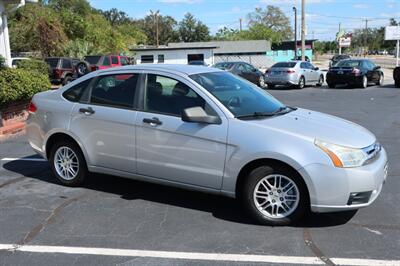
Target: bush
(19,84)
(34,65)
(2,62)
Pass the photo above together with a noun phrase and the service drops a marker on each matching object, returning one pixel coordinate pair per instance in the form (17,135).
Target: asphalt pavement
(115,221)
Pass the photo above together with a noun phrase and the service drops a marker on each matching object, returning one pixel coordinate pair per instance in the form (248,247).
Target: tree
(116,17)
(192,30)
(227,34)
(273,18)
(166,28)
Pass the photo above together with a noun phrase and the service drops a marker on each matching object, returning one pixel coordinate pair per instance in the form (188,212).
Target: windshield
(285,64)
(241,97)
(93,60)
(348,63)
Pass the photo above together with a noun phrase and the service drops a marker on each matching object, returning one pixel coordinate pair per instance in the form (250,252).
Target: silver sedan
(294,73)
(208,130)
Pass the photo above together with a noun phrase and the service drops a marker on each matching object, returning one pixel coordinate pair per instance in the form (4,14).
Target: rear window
(52,62)
(223,65)
(93,60)
(348,63)
(285,64)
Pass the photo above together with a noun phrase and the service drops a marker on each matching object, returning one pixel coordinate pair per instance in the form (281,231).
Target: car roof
(171,68)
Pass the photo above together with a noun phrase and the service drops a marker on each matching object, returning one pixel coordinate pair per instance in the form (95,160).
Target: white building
(174,55)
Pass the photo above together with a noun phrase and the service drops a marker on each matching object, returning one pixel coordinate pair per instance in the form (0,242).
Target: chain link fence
(259,61)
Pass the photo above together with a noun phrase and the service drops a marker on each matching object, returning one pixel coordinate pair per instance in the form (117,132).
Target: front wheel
(364,82)
(261,82)
(68,163)
(274,195)
(66,80)
(320,81)
(380,80)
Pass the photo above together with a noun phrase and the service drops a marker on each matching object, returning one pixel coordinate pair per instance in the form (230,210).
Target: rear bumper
(282,80)
(331,187)
(343,79)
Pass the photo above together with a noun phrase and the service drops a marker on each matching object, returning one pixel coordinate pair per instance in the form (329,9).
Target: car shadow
(220,207)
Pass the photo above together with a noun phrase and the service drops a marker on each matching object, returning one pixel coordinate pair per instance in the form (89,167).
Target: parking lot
(115,221)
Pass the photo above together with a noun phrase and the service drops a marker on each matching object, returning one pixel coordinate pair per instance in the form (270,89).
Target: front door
(105,123)
(171,149)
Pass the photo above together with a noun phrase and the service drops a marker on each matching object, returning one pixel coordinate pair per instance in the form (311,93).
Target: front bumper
(330,187)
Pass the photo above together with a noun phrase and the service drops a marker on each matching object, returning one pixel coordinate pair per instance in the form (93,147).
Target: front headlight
(342,156)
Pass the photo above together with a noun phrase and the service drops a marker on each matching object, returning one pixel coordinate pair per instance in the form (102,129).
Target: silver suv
(206,129)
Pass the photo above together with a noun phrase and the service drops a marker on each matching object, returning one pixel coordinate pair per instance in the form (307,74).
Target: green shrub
(2,62)
(34,65)
(20,84)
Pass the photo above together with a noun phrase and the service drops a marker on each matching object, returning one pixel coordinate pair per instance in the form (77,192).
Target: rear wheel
(302,83)
(271,86)
(68,163)
(274,195)
(331,85)
(66,80)
(364,82)
(320,81)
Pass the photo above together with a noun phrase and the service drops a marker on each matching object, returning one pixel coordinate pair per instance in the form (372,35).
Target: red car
(97,62)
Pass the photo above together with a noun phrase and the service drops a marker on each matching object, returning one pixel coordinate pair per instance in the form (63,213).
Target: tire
(66,80)
(364,82)
(397,83)
(320,81)
(261,205)
(82,68)
(77,162)
(271,86)
(302,83)
(331,85)
(261,82)
(381,80)
(396,77)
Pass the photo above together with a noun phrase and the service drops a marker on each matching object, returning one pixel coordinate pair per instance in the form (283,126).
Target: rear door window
(115,90)
(114,60)
(66,64)
(77,93)
(106,61)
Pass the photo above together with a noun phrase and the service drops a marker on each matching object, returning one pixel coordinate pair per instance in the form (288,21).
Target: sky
(322,16)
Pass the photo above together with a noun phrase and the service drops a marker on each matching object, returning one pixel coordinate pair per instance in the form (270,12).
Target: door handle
(152,121)
(87,111)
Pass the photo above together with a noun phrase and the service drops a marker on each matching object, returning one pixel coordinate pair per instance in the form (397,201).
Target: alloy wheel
(66,163)
(262,82)
(276,196)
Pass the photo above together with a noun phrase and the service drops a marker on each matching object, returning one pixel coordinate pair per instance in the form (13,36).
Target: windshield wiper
(280,111)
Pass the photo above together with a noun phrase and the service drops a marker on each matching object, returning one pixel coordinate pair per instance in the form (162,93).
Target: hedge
(19,84)
(34,65)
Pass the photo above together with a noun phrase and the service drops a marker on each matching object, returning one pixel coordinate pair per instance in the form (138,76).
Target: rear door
(171,149)
(104,121)
(115,61)
(306,72)
(106,62)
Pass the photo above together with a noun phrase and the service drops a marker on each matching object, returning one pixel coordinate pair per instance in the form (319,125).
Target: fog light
(359,197)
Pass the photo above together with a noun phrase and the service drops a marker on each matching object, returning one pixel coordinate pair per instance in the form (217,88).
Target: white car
(15,60)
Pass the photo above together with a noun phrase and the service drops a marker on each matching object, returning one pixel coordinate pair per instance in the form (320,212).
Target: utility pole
(240,24)
(366,38)
(303,30)
(295,32)
(340,47)
(155,21)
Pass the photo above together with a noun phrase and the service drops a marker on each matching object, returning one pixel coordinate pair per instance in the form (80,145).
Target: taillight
(94,68)
(32,108)
(355,71)
(290,71)
(57,73)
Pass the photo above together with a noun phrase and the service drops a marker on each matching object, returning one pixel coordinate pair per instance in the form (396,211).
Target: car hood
(313,125)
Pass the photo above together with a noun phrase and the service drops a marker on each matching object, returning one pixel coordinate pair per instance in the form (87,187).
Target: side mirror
(377,67)
(198,115)
(316,68)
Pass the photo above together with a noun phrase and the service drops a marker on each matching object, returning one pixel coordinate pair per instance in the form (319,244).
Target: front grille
(359,197)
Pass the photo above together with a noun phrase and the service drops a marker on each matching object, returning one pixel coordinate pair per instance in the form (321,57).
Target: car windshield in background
(52,62)
(241,97)
(93,60)
(348,63)
(224,65)
(285,64)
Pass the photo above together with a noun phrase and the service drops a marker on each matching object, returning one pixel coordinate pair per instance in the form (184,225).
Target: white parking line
(24,159)
(194,255)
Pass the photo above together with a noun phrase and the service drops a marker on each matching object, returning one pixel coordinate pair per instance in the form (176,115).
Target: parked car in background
(15,60)
(209,130)
(294,73)
(96,62)
(355,72)
(197,63)
(244,70)
(396,76)
(61,69)
(337,58)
